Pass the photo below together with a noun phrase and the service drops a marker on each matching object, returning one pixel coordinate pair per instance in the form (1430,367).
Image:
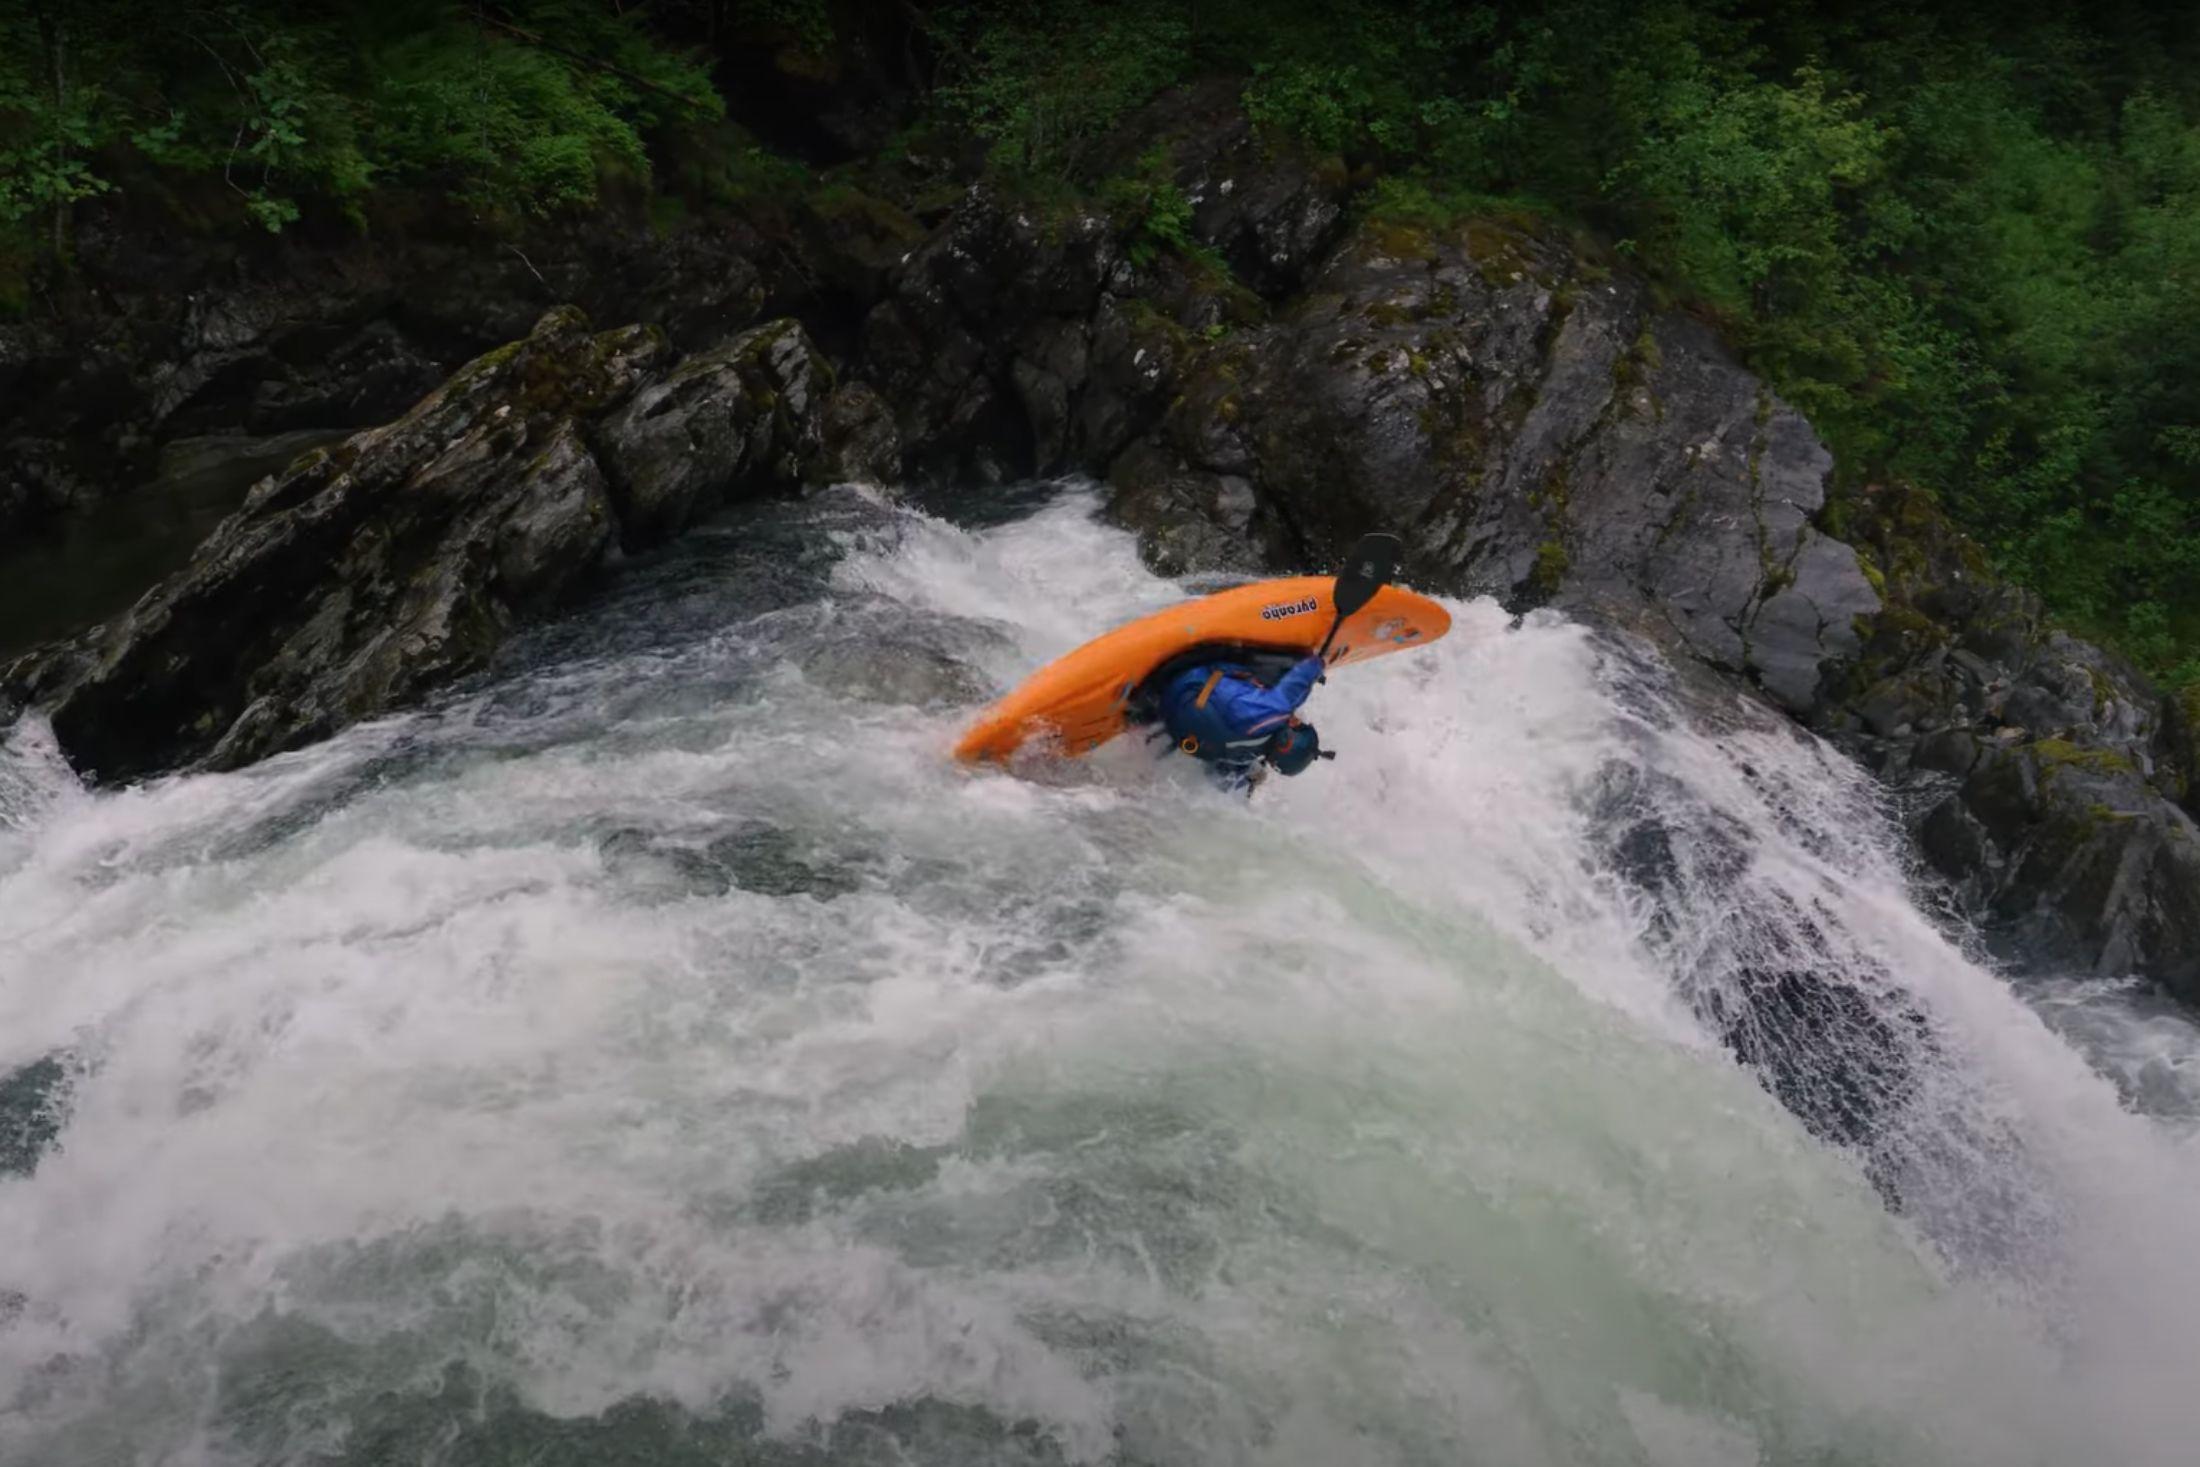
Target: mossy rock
(2183,710)
(844,203)
(1400,240)
(1499,250)
(1899,619)
(2056,754)
(1148,324)
(1873,576)
(1551,564)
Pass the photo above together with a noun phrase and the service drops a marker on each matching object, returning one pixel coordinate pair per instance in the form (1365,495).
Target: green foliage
(44,154)
(1404,199)
(1156,215)
(1964,239)
(1329,106)
(1372,79)
(1044,80)
(516,107)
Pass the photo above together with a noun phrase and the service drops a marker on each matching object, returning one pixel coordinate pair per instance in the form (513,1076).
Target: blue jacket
(1241,715)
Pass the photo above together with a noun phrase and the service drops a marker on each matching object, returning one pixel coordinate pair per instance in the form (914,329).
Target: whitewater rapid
(661,1047)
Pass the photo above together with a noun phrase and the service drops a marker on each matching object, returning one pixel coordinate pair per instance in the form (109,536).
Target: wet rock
(1948,751)
(1824,1028)
(1135,358)
(2073,858)
(1839,1053)
(736,416)
(366,377)
(2062,836)
(1048,370)
(1191,519)
(368,572)
(185,333)
(858,442)
(854,240)
(2180,747)
(1811,622)
(978,343)
(1954,841)
(304,353)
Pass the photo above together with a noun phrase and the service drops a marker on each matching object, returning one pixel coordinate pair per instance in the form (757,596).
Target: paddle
(1365,572)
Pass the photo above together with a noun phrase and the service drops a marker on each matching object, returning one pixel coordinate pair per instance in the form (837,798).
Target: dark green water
(94,565)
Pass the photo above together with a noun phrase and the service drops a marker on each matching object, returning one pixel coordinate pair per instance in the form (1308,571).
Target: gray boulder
(370,571)
(858,441)
(2046,772)
(980,340)
(734,414)
(1536,430)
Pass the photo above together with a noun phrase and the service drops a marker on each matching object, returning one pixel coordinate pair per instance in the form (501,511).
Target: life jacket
(1196,721)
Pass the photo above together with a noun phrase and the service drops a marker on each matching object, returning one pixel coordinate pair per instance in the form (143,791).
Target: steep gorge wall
(1529,419)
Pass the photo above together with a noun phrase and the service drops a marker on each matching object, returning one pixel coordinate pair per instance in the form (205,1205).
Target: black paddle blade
(1369,565)
(1366,570)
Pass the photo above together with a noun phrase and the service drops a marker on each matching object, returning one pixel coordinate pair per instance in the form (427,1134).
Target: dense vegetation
(514,107)
(1966,240)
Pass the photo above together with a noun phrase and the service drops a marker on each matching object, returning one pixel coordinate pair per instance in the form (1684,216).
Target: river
(660,1051)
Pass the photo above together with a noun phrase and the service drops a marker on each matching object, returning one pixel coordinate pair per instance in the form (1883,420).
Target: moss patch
(1400,240)
(1875,577)
(2054,754)
(1551,564)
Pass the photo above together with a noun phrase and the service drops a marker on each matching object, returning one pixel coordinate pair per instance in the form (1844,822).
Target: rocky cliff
(367,572)
(1526,414)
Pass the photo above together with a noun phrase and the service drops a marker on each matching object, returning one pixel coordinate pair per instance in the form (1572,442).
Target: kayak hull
(1083,699)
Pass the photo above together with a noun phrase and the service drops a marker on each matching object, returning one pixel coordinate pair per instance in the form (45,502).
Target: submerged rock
(33,1100)
(765,859)
(892,668)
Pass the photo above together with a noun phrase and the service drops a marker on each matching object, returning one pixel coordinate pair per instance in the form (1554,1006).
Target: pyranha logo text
(1287,608)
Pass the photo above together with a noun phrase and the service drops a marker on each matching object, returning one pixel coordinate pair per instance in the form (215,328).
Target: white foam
(1359,1121)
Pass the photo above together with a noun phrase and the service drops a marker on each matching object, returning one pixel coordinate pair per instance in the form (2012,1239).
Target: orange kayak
(1084,699)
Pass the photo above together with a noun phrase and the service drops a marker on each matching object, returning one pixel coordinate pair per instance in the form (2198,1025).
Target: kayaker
(1229,720)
